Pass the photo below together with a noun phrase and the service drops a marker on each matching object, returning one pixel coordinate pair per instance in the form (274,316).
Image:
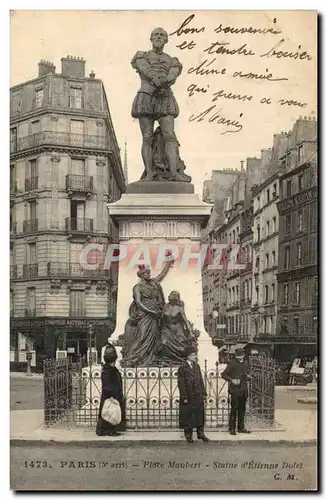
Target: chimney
(46,67)
(242,165)
(73,66)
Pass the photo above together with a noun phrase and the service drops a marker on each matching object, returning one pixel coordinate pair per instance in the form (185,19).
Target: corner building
(64,167)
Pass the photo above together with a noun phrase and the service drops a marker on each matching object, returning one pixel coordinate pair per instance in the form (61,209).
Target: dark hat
(110,354)
(239,351)
(190,349)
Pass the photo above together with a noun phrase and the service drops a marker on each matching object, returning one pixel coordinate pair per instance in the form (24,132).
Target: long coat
(237,370)
(191,387)
(112,387)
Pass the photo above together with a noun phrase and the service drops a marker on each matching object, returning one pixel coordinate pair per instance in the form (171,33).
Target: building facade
(297,263)
(265,257)
(64,167)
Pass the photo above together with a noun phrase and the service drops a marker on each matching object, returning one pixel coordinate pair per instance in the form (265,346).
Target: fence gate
(261,403)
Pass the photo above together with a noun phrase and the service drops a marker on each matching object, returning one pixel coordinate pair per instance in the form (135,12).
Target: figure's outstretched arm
(164,271)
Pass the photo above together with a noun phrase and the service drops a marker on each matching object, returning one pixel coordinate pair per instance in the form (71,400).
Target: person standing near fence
(236,374)
(192,395)
(112,387)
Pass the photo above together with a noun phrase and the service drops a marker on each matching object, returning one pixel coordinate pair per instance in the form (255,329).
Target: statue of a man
(156,102)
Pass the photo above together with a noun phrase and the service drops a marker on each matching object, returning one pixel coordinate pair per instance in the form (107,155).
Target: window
(297,292)
(289,188)
(77,127)
(258,201)
(16,103)
(273,254)
(78,167)
(38,98)
(33,169)
(75,98)
(77,303)
(267,228)
(12,179)
(266,293)
(300,182)
(256,293)
(313,215)
(257,264)
(30,302)
(285,295)
(32,207)
(274,224)
(268,195)
(300,154)
(296,325)
(12,307)
(286,257)
(300,220)
(273,292)
(258,232)
(288,223)
(265,324)
(274,194)
(267,260)
(13,140)
(299,254)
(32,253)
(233,235)
(35,126)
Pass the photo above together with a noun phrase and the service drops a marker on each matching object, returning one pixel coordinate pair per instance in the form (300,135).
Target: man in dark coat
(236,373)
(192,396)
(112,387)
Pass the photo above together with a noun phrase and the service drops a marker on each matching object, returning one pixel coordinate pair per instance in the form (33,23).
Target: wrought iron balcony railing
(31,184)
(59,269)
(30,270)
(60,139)
(79,225)
(80,183)
(30,226)
(13,272)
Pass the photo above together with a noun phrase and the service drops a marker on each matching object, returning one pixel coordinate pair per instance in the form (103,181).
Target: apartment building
(64,167)
(297,316)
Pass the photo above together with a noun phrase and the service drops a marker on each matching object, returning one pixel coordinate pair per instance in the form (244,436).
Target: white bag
(111,411)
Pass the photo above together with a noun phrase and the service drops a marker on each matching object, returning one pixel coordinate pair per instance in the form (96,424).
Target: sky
(108,40)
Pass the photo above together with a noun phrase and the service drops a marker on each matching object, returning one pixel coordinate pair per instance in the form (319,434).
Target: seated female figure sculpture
(176,332)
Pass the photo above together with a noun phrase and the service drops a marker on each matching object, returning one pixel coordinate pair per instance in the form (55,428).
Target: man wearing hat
(236,373)
(192,396)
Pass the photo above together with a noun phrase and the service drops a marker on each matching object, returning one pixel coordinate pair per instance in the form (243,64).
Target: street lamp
(90,333)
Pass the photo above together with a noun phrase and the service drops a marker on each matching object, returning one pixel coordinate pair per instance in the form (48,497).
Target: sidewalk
(27,428)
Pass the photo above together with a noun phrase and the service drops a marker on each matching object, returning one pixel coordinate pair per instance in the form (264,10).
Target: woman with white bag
(111,412)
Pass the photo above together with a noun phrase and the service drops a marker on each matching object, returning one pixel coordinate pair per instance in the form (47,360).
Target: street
(27,394)
(200,466)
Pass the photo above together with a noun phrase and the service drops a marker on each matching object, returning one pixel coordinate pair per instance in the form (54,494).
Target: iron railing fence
(72,395)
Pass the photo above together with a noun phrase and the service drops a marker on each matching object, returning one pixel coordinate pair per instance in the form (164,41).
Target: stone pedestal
(151,223)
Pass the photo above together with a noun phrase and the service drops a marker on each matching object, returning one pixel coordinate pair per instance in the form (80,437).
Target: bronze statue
(142,331)
(155,102)
(176,332)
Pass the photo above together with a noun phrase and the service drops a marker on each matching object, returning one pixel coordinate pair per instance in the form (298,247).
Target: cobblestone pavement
(199,466)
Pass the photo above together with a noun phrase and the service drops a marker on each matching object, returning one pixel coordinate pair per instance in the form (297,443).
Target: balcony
(30,313)
(62,270)
(79,184)
(31,184)
(30,226)
(13,272)
(79,225)
(59,139)
(30,270)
